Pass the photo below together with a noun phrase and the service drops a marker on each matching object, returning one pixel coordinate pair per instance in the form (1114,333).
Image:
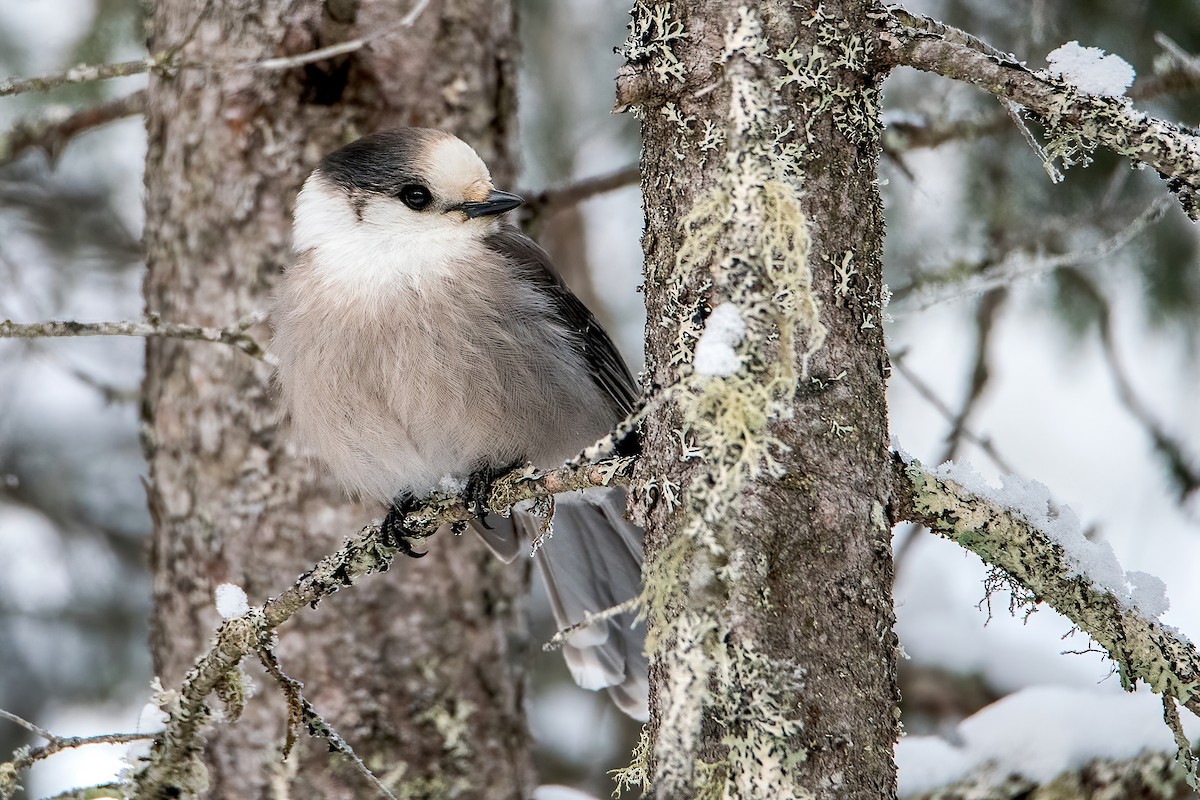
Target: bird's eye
(415,196)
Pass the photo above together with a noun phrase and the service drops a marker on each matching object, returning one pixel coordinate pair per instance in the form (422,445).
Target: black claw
(394,532)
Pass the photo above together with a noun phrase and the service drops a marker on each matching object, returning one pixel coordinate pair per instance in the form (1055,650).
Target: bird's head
(412,193)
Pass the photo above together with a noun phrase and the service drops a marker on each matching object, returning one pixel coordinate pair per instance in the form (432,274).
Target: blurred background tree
(1082,377)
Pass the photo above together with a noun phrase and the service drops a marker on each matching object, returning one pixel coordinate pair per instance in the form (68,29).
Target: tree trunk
(769,560)
(416,669)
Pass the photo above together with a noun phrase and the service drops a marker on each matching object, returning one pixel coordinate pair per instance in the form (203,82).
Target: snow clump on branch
(1095,561)
(1091,69)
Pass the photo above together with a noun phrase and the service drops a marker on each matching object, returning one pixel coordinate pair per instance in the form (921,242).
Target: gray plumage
(420,342)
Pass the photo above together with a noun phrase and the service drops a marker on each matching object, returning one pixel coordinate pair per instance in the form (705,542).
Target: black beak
(497,203)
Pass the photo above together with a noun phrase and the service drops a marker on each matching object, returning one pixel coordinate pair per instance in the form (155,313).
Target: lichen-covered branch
(1142,648)
(1150,776)
(1076,122)
(56,126)
(234,335)
(26,757)
(175,762)
(85,73)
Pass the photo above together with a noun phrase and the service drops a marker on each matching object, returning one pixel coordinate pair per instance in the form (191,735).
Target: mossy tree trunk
(415,668)
(769,563)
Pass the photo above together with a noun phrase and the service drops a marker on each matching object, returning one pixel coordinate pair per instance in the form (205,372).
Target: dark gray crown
(381,162)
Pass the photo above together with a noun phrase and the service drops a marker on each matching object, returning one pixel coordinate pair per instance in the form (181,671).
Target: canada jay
(423,343)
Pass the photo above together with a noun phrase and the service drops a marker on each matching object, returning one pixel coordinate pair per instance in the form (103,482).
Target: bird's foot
(479,489)
(394,531)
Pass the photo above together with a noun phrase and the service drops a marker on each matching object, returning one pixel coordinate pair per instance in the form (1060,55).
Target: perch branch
(176,751)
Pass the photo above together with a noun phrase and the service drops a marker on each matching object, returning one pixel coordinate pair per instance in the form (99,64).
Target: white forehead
(453,164)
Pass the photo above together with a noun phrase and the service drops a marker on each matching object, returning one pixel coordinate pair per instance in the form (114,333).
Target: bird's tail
(590,563)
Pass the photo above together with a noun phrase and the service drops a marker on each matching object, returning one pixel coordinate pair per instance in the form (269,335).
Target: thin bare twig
(1183,470)
(1182,72)
(985,322)
(550,201)
(90,792)
(25,758)
(27,725)
(903,135)
(56,126)
(926,391)
(344,48)
(166,63)
(161,63)
(234,335)
(1016,265)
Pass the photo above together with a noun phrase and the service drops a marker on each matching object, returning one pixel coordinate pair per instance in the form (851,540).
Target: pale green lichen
(637,774)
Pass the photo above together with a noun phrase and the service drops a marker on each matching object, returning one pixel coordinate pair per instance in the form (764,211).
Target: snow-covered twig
(1141,647)
(177,749)
(234,335)
(928,45)
(1148,775)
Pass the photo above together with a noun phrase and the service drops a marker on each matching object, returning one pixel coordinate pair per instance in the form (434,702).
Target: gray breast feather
(436,379)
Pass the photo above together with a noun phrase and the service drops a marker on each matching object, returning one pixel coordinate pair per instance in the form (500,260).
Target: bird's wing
(607,367)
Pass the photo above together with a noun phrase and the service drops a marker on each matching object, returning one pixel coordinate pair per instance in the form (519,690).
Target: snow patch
(452,484)
(1037,733)
(1091,69)
(231,601)
(723,331)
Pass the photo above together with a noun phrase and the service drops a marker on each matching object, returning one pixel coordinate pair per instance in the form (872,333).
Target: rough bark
(417,668)
(768,559)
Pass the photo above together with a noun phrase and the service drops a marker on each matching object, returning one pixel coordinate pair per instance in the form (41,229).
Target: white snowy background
(1051,409)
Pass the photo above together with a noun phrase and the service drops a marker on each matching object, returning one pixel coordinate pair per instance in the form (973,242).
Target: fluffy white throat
(381,245)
